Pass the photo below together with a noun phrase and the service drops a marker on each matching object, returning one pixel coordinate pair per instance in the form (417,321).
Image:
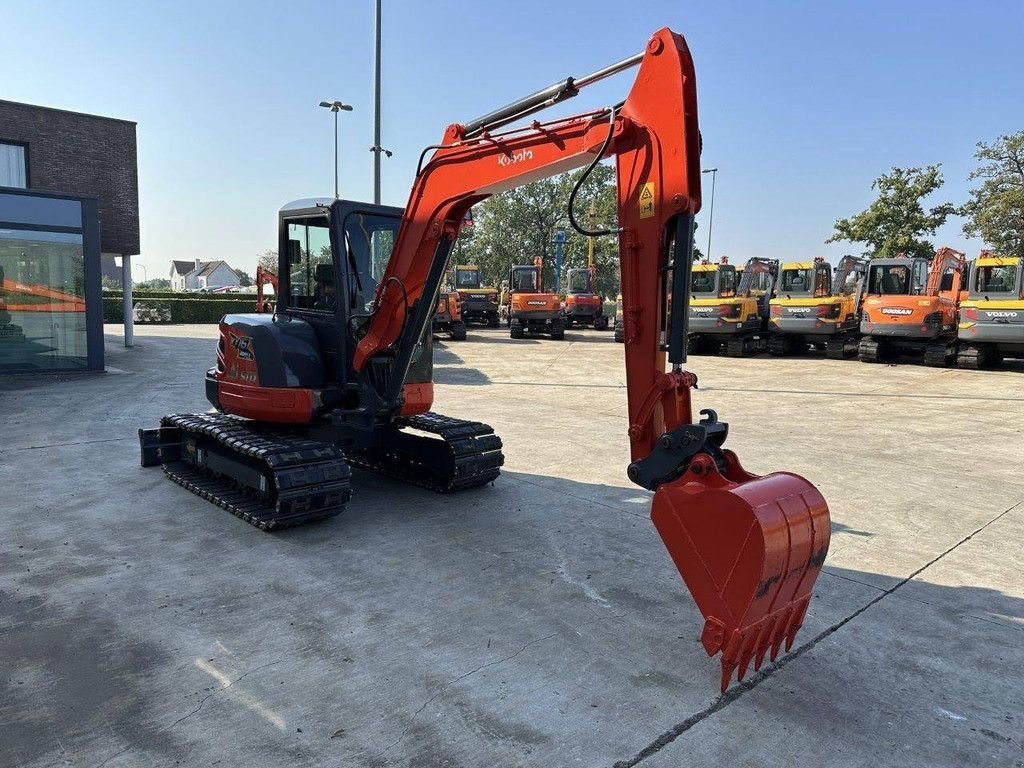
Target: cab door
(311,288)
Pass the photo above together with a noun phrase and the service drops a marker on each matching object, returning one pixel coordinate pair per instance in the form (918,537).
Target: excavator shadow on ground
(449,368)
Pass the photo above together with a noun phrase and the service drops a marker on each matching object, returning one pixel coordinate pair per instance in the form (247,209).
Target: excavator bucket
(749,549)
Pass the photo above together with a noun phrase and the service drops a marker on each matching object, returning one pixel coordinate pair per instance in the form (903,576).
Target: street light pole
(711,213)
(377,149)
(336,107)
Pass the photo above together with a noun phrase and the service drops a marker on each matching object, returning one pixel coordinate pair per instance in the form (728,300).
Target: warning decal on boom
(647,200)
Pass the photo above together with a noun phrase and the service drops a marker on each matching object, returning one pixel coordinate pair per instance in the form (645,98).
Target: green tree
(268,260)
(156,284)
(897,221)
(515,226)
(244,279)
(996,208)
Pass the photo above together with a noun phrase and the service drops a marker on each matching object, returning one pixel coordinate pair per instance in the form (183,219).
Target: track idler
(749,548)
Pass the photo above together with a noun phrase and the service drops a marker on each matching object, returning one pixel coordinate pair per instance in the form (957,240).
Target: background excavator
(910,307)
(812,309)
(728,313)
(479,301)
(583,305)
(992,316)
(448,316)
(265,278)
(531,309)
(341,374)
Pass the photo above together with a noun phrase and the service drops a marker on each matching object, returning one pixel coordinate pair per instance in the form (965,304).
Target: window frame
(28,164)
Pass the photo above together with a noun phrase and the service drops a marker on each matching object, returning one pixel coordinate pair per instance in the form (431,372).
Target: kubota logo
(896,311)
(515,157)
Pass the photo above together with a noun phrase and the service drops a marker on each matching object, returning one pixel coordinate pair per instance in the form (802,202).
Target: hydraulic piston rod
(544,98)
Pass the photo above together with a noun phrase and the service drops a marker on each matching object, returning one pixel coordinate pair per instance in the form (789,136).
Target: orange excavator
(911,306)
(265,277)
(341,375)
(531,309)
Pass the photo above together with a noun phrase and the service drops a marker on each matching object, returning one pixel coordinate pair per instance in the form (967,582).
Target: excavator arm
(749,548)
(945,260)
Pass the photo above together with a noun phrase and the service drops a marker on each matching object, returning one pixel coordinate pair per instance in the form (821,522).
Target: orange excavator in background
(531,309)
(583,305)
(911,307)
(265,277)
(341,374)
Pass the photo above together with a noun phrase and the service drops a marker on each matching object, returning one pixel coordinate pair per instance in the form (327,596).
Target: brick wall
(82,155)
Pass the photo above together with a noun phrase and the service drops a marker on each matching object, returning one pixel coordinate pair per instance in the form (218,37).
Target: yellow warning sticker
(647,200)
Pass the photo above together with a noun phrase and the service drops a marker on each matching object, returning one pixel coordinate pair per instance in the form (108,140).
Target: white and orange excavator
(340,374)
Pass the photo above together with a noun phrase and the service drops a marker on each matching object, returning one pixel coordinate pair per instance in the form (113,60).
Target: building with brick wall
(54,150)
(69,204)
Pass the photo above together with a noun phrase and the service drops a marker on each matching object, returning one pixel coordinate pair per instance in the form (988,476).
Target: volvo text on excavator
(341,374)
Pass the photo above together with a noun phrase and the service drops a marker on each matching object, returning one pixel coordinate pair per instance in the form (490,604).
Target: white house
(202,276)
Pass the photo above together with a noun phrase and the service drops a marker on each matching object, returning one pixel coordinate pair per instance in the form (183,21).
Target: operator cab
(813,280)
(525,279)
(332,256)
(579,282)
(996,277)
(719,282)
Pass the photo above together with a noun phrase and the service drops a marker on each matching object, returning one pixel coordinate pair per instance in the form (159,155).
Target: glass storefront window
(42,301)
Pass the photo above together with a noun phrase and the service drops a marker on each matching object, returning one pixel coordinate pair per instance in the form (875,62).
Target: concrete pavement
(538,622)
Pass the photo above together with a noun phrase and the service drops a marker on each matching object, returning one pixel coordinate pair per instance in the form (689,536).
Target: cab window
(578,282)
(726,283)
(822,282)
(796,281)
(467,278)
(525,280)
(995,279)
(311,278)
(889,280)
(702,282)
(920,277)
(369,240)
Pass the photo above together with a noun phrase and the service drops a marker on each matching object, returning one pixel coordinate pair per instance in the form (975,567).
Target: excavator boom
(749,548)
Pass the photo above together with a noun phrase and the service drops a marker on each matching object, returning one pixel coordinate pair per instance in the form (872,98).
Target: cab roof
(798,265)
(997,261)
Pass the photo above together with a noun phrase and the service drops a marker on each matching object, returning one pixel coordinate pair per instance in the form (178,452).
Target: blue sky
(802,104)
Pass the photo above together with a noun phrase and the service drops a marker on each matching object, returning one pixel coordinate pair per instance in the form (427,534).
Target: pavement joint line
(884,395)
(733,694)
(855,581)
(64,445)
(801,392)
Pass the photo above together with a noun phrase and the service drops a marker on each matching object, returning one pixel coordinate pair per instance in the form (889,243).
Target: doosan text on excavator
(340,374)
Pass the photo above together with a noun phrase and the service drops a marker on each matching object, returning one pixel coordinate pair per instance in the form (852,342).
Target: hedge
(190,310)
(198,296)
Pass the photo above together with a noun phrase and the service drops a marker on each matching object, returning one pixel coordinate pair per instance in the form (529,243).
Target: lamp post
(711,213)
(336,107)
(559,250)
(377,149)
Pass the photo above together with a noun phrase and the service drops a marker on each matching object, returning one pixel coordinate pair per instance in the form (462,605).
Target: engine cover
(269,351)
